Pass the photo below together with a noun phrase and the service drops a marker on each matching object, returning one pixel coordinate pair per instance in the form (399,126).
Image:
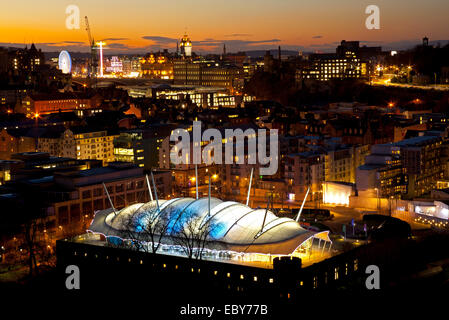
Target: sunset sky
(144,25)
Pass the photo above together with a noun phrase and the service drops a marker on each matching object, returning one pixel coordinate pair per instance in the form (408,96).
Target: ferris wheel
(65,62)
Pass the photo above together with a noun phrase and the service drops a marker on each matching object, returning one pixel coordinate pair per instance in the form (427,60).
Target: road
(411,86)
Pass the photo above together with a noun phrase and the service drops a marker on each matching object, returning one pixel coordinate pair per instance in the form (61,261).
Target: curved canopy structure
(230,225)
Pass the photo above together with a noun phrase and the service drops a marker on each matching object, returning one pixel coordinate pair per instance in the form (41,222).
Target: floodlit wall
(336,193)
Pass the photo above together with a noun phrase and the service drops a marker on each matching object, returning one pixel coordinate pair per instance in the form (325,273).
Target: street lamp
(36,117)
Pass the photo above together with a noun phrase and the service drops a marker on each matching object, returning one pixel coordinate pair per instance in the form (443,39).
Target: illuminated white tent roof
(233,226)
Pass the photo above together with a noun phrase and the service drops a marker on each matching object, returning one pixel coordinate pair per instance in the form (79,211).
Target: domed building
(227,227)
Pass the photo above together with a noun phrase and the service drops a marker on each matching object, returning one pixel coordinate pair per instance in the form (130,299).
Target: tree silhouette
(192,234)
(148,224)
(25,214)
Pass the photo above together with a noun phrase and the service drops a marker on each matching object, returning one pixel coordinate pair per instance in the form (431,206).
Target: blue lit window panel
(172,214)
(217,230)
(228,217)
(216,210)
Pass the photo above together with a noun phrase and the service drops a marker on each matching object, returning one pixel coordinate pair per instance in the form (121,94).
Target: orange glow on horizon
(311,24)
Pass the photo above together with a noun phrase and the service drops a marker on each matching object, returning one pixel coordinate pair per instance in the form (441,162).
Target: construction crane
(93,61)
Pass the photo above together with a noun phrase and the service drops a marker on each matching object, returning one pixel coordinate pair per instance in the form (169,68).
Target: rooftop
(371,166)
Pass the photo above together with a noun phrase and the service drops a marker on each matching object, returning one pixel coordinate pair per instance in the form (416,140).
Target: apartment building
(80,143)
(305,170)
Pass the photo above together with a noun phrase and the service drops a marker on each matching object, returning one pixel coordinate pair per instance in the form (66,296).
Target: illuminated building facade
(12,141)
(142,146)
(186,46)
(56,102)
(249,68)
(343,161)
(383,173)
(207,73)
(128,147)
(131,65)
(408,168)
(206,97)
(157,66)
(424,160)
(325,67)
(305,170)
(339,165)
(80,143)
(337,193)
(349,62)
(114,65)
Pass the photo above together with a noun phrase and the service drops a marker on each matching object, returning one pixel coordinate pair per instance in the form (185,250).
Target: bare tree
(30,227)
(26,211)
(148,224)
(191,235)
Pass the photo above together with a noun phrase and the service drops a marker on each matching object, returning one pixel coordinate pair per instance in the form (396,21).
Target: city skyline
(257,153)
(241,26)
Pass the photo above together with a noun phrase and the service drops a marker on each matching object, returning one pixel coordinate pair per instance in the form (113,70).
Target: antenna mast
(249,187)
(110,201)
(302,206)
